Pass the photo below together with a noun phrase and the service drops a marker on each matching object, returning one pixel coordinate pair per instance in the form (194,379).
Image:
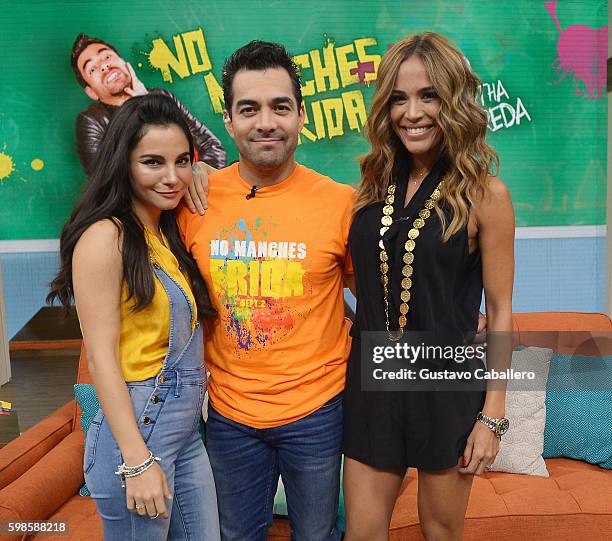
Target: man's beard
(271,159)
(268,160)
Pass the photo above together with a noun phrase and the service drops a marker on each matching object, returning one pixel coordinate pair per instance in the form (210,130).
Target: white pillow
(521,448)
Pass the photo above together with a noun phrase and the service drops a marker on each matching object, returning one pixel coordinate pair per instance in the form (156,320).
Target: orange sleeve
(347,220)
(183,219)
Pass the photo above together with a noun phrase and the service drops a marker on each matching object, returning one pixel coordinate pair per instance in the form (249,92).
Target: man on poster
(110,81)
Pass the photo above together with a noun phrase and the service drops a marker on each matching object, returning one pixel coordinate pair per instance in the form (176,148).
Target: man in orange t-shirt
(273,250)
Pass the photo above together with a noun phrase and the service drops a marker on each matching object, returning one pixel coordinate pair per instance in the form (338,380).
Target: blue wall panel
(26,284)
(551,275)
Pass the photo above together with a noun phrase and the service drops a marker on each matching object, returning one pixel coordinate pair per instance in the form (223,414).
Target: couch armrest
(23,452)
(47,485)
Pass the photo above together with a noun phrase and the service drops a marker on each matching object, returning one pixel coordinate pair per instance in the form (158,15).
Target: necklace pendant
(394,336)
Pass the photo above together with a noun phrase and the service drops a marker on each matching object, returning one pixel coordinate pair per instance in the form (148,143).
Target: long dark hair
(109,195)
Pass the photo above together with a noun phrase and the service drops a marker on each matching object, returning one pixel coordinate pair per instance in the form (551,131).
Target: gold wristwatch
(498,426)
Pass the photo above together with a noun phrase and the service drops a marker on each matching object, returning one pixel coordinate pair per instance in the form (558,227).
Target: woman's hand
(481,449)
(145,493)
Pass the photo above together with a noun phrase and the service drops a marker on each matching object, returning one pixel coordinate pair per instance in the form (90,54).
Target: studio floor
(41,382)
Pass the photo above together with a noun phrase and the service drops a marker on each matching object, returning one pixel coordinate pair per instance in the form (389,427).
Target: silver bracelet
(132,471)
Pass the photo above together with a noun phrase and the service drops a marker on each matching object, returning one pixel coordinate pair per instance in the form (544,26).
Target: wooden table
(49,328)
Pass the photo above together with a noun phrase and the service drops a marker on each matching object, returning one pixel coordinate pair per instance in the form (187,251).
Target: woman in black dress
(432,228)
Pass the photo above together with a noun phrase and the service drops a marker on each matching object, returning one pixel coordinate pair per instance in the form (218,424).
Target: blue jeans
(247,462)
(193,510)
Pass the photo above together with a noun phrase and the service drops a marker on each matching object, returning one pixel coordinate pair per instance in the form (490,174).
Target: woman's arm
(495,221)
(494,217)
(97,280)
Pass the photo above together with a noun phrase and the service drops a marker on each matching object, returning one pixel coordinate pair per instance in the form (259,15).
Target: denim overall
(168,410)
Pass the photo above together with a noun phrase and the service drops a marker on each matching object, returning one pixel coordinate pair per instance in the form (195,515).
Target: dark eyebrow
(103,48)
(275,101)
(282,99)
(240,103)
(426,89)
(160,157)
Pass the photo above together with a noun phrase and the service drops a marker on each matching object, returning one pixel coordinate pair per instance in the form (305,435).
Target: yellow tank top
(144,335)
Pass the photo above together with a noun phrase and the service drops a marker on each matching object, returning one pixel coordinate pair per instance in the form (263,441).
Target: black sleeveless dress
(423,429)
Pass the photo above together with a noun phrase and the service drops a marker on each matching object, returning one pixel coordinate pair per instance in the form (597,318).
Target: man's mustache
(268,137)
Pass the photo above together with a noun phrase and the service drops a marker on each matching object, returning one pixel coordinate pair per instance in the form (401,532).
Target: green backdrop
(554,160)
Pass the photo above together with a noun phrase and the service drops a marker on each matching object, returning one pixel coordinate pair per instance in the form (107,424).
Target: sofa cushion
(561,321)
(579,409)
(503,506)
(84,523)
(54,479)
(87,399)
(83,376)
(23,452)
(520,450)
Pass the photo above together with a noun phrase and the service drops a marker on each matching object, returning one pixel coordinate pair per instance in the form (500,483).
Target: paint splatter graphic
(361,70)
(37,164)
(257,282)
(581,53)
(7,166)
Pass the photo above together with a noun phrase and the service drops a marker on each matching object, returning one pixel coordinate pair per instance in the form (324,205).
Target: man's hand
(137,88)
(481,333)
(196,198)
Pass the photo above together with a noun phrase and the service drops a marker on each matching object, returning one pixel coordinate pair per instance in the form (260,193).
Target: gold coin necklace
(413,233)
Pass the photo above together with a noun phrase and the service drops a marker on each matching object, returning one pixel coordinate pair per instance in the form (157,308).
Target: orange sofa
(41,473)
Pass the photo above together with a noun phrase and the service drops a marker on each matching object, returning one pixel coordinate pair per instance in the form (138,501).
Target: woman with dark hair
(140,299)
(442,229)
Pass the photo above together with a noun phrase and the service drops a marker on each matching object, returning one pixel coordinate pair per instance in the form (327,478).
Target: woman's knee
(368,531)
(442,529)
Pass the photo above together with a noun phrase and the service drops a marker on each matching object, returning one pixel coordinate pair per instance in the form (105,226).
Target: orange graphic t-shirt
(274,267)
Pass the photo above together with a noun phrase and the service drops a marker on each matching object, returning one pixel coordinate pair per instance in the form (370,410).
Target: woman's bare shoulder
(100,241)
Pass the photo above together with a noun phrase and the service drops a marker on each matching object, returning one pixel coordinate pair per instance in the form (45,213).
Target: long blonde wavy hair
(461,119)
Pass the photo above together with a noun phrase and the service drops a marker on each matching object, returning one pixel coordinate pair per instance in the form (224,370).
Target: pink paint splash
(361,70)
(581,52)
